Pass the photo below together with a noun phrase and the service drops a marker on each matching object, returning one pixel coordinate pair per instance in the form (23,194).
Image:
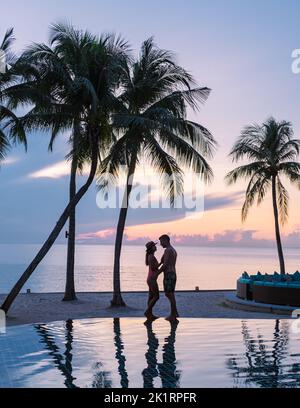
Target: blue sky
(240,49)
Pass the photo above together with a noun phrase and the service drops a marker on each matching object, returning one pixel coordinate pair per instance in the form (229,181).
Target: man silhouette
(168,267)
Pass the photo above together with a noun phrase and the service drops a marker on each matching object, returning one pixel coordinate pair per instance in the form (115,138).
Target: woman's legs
(150,296)
(152,299)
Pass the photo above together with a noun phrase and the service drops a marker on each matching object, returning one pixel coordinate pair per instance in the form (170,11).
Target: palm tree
(91,101)
(265,360)
(64,67)
(60,70)
(8,76)
(120,357)
(153,126)
(62,361)
(272,152)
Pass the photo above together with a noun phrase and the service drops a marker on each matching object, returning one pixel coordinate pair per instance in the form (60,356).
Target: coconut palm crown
(8,77)
(272,152)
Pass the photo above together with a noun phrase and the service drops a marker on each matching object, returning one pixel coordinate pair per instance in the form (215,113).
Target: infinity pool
(126,353)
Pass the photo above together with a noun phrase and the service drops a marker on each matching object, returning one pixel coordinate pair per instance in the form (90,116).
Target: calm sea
(208,268)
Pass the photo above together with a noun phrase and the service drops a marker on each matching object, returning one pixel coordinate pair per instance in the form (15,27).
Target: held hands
(159,270)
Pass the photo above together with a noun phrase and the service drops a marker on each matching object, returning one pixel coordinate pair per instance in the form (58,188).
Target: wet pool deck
(105,352)
(234,302)
(47,307)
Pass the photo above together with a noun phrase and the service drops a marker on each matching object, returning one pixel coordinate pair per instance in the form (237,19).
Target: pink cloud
(103,234)
(231,238)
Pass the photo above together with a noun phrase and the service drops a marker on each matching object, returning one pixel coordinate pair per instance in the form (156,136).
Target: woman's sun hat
(150,244)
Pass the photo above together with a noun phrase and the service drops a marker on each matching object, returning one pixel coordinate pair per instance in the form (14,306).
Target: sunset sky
(240,49)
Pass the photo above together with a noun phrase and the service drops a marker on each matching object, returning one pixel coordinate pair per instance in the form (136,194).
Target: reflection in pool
(105,353)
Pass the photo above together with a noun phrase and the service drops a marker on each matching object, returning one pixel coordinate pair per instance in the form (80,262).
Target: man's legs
(169,287)
(172,299)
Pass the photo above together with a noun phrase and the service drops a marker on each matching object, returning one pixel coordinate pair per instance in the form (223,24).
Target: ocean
(206,267)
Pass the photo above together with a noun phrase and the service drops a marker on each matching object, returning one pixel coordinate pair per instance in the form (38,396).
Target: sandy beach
(47,307)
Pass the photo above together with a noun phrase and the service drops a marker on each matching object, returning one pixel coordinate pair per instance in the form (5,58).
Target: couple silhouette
(167,266)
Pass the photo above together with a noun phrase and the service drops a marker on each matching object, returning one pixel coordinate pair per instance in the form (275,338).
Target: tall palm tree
(272,152)
(62,361)
(120,357)
(8,75)
(153,126)
(61,67)
(64,71)
(265,360)
(92,101)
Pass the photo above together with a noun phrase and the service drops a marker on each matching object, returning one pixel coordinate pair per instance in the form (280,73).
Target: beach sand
(47,307)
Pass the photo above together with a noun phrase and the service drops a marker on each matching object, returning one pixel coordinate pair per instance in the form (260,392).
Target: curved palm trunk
(121,359)
(117,297)
(277,228)
(49,341)
(55,232)
(70,293)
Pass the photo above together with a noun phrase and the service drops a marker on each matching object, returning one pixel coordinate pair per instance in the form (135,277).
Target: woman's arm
(153,263)
(164,261)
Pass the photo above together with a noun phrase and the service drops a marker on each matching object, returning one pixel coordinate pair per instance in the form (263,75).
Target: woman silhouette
(153,264)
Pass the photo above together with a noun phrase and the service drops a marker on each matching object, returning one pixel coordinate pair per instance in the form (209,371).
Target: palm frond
(8,40)
(256,190)
(170,173)
(4,145)
(289,150)
(282,201)
(291,170)
(186,155)
(244,172)
(13,126)
(118,157)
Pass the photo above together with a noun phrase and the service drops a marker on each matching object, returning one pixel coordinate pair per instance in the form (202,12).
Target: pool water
(125,353)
